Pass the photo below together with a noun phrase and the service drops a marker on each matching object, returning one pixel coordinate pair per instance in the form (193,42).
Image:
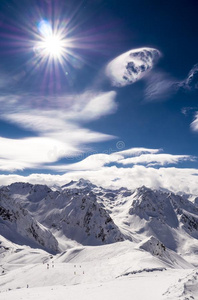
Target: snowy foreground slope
(81,241)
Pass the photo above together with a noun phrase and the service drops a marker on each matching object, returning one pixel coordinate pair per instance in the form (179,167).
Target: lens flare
(53,42)
(52,45)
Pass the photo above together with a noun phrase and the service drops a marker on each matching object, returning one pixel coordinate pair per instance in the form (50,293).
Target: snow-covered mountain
(90,215)
(17,224)
(138,231)
(172,219)
(74,213)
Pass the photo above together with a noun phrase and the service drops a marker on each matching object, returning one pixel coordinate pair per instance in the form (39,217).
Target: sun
(52,44)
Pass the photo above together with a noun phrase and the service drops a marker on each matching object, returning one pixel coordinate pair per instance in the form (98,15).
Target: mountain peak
(81,183)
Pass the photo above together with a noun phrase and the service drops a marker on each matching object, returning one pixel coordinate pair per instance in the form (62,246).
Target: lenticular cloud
(131,66)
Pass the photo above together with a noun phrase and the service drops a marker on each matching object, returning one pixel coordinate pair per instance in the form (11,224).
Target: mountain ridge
(81,213)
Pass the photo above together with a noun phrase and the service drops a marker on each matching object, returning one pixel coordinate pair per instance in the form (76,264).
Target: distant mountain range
(81,213)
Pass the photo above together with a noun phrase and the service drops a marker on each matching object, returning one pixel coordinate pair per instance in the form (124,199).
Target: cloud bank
(114,170)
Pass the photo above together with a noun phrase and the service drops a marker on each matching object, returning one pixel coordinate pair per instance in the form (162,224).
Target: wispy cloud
(160,86)
(59,127)
(137,151)
(18,154)
(161,159)
(92,162)
(188,110)
(33,112)
(191,81)
(127,158)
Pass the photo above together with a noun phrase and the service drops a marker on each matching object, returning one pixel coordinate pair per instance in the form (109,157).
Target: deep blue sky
(106,29)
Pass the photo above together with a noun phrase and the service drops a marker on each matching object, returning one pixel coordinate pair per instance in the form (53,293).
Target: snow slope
(20,227)
(140,287)
(170,218)
(72,213)
(85,242)
(109,266)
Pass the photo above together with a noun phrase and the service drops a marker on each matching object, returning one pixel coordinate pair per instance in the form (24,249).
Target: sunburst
(52,44)
(53,47)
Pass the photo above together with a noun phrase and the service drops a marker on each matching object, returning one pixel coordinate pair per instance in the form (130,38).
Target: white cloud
(133,156)
(92,162)
(11,165)
(59,127)
(53,124)
(160,86)
(32,152)
(131,66)
(194,124)
(94,106)
(156,159)
(98,160)
(173,179)
(35,112)
(138,151)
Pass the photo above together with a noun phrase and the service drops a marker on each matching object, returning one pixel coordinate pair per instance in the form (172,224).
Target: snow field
(152,285)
